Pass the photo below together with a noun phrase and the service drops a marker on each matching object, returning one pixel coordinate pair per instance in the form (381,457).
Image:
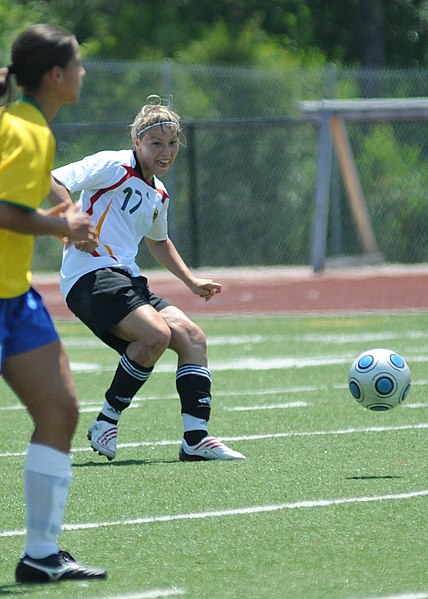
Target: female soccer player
(104,288)
(47,67)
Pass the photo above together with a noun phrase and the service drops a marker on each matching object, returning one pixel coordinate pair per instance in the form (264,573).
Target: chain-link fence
(243,185)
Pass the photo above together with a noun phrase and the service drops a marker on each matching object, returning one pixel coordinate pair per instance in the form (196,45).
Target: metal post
(320,226)
(353,186)
(193,196)
(336,225)
(167,84)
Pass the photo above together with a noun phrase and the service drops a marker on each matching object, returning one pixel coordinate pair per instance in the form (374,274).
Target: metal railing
(244,185)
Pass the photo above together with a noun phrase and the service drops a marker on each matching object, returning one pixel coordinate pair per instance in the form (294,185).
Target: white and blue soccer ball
(379,379)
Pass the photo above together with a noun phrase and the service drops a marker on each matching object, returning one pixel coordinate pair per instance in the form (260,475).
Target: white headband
(140,133)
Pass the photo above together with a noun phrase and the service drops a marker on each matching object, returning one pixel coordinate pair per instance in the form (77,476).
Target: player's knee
(148,350)
(160,339)
(188,335)
(64,415)
(70,411)
(197,337)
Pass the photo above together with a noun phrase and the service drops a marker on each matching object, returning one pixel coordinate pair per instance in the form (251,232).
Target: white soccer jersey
(123,207)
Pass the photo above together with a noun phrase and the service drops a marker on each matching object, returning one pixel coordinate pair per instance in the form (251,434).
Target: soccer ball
(379,379)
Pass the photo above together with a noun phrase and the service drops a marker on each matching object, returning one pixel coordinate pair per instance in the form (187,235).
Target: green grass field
(331,502)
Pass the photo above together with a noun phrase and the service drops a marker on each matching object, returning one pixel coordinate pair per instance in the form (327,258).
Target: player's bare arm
(58,194)
(167,255)
(68,223)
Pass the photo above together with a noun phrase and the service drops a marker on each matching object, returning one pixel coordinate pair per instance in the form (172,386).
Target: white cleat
(103,438)
(209,448)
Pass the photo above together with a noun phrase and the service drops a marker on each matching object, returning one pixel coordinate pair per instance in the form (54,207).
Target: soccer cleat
(56,567)
(103,436)
(209,448)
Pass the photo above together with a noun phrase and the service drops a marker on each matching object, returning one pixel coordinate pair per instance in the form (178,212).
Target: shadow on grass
(116,463)
(386,477)
(15,590)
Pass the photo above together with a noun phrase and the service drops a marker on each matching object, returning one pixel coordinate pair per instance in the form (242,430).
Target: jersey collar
(139,171)
(32,101)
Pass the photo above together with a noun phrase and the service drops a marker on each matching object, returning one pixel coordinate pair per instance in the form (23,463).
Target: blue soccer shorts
(25,324)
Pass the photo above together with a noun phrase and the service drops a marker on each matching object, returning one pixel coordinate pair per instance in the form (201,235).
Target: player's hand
(87,246)
(205,288)
(57,210)
(80,226)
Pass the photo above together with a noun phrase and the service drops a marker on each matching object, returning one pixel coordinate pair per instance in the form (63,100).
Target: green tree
(348,32)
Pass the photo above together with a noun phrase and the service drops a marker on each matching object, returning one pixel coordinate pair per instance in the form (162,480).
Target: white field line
(278,406)
(417,383)
(164,442)
(282,406)
(340,338)
(409,595)
(243,511)
(86,406)
(150,594)
(292,404)
(248,363)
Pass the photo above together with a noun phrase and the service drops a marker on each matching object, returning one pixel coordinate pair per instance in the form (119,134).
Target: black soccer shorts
(103,297)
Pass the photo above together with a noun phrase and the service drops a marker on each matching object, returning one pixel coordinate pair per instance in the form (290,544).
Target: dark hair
(35,52)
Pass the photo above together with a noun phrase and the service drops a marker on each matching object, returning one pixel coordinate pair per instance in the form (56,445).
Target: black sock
(127,381)
(194,388)
(193,437)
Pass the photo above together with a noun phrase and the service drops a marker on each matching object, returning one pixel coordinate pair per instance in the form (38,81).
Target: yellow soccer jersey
(27,149)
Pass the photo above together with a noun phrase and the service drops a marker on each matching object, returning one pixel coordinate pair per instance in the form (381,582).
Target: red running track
(282,291)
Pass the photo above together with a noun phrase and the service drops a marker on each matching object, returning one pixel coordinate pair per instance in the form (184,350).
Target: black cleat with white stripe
(54,568)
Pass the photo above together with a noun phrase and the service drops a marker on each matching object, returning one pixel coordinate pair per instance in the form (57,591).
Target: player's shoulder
(8,122)
(22,118)
(26,110)
(161,189)
(159,186)
(112,158)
